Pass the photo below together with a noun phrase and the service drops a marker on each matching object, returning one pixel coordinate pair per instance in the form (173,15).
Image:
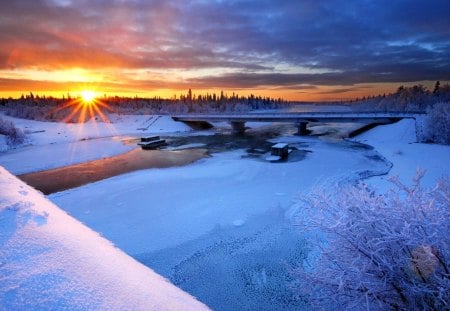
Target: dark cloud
(341,42)
(343,90)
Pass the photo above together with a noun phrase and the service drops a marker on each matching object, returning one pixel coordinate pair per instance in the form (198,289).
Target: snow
(44,133)
(36,158)
(213,191)
(52,144)
(272,158)
(220,228)
(180,220)
(50,261)
(280,145)
(397,142)
(234,209)
(3,145)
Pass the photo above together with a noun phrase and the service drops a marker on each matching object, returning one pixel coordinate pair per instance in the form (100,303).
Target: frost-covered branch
(378,251)
(14,136)
(438,123)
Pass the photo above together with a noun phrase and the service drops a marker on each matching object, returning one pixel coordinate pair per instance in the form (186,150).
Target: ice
(224,205)
(220,228)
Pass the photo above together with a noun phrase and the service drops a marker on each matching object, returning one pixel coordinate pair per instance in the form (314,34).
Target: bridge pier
(238,127)
(302,130)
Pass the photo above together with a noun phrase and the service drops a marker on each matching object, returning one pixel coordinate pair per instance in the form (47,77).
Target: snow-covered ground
(50,261)
(226,215)
(222,228)
(223,190)
(44,133)
(396,142)
(52,144)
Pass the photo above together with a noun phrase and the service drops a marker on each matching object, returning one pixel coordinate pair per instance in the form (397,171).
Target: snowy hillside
(50,261)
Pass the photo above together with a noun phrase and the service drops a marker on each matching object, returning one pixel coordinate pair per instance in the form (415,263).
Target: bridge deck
(297,117)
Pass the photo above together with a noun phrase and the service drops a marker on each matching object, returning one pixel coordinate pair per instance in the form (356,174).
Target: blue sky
(300,49)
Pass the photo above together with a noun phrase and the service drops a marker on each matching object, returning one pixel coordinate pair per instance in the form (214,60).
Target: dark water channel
(254,141)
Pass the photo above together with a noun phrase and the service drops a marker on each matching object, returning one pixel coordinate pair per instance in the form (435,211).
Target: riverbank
(182,150)
(222,228)
(51,145)
(63,178)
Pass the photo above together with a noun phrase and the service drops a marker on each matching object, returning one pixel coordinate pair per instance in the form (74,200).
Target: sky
(309,50)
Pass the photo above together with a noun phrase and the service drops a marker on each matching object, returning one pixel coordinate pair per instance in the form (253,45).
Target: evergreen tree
(436,88)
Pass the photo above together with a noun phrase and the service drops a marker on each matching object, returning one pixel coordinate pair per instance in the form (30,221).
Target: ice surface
(210,227)
(50,261)
(158,208)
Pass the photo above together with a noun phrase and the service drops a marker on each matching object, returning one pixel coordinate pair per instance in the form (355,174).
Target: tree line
(44,108)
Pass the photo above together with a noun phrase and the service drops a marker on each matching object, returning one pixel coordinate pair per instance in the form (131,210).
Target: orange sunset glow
(83,108)
(224,155)
(296,51)
(88,96)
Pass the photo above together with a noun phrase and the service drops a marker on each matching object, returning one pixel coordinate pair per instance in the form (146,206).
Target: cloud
(348,41)
(343,90)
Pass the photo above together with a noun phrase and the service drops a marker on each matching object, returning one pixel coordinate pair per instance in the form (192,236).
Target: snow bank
(44,133)
(44,157)
(73,143)
(402,132)
(49,260)
(397,142)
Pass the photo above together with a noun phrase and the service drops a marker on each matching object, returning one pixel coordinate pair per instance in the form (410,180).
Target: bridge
(301,119)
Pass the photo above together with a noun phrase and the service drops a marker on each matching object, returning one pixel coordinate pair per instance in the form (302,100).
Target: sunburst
(86,106)
(88,96)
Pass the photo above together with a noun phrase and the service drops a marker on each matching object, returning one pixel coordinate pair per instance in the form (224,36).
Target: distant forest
(416,98)
(42,108)
(56,109)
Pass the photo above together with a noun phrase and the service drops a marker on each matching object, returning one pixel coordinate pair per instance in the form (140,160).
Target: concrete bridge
(301,119)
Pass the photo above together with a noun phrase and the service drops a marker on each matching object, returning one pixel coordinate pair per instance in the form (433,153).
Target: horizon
(300,51)
(208,96)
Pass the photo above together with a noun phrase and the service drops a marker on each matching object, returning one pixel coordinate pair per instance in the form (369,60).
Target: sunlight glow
(88,96)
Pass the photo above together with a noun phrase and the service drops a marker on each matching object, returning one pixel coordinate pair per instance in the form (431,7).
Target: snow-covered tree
(14,136)
(378,252)
(437,127)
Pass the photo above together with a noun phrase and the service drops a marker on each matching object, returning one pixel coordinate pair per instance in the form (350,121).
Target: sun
(88,96)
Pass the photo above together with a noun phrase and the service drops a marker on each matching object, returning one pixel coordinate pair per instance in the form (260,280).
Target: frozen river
(221,228)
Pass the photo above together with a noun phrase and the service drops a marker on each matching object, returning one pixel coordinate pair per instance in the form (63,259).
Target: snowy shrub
(437,127)
(378,252)
(14,136)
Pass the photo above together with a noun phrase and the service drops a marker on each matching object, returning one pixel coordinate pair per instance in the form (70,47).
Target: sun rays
(86,106)
(88,96)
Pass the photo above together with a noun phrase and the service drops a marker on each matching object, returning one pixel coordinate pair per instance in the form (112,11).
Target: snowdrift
(48,260)
(397,142)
